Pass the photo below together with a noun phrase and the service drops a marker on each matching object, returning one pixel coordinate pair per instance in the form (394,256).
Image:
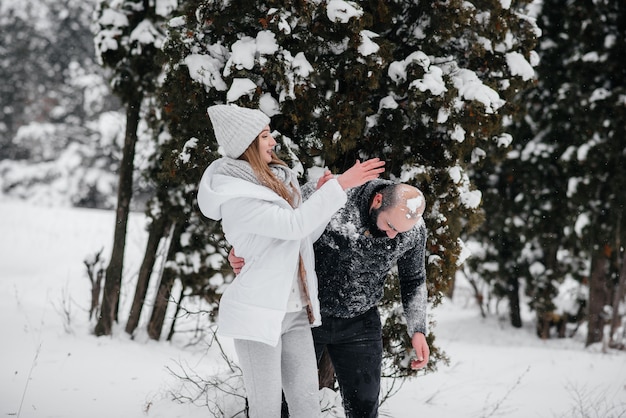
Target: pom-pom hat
(236,127)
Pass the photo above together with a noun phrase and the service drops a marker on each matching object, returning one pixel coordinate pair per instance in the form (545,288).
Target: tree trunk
(450,287)
(161,301)
(112,284)
(544,322)
(511,281)
(617,298)
(514,305)
(478,295)
(597,299)
(170,334)
(157,231)
(164,291)
(546,317)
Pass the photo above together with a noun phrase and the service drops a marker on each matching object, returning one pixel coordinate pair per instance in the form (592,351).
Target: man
(380,226)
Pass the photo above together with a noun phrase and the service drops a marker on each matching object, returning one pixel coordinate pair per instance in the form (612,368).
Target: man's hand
(421,349)
(235,262)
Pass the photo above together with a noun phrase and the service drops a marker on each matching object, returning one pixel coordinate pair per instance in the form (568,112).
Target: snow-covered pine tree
(452,94)
(128,41)
(197,249)
(425,86)
(589,109)
(555,206)
(54,100)
(523,235)
(42,41)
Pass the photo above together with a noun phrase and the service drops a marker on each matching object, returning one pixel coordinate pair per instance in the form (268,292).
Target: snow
(165,7)
(106,39)
(415,203)
(570,293)
(368,46)
(240,87)
(519,66)
(397,69)
(53,367)
(269,105)
(582,221)
(243,53)
(342,11)
(387,102)
(145,33)
(266,42)
(301,66)
(469,198)
(176,22)
(433,81)
(111,17)
(188,148)
(472,88)
(205,69)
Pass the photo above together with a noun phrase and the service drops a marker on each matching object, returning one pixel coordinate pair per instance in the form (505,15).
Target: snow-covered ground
(51,365)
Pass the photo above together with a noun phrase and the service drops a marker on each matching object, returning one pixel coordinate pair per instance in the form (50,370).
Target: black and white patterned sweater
(352,265)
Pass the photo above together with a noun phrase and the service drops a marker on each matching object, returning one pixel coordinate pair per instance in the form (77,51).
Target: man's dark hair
(389,197)
(399,194)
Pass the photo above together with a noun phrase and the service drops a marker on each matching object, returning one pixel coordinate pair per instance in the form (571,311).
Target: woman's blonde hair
(265,174)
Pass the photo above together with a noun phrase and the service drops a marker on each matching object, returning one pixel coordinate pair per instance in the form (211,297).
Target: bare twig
(501,401)
(95,274)
(595,403)
(65,310)
(211,391)
(30,372)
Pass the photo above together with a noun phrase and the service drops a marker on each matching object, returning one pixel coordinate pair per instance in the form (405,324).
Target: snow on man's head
(405,198)
(412,200)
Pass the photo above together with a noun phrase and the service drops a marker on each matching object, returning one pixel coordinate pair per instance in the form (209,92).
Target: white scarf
(243,170)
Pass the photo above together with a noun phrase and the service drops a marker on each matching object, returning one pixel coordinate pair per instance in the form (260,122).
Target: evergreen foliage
(127,40)
(426,87)
(41,45)
(53,102)
(556,204)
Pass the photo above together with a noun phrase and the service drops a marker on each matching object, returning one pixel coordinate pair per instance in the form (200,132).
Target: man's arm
(412,274)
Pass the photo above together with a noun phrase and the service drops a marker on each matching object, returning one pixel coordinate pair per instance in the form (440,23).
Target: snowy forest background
(509,115)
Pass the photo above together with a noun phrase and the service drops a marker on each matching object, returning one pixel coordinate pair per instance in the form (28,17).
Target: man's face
(393,221)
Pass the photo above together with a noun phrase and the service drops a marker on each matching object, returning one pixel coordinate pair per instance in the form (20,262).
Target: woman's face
(266,144)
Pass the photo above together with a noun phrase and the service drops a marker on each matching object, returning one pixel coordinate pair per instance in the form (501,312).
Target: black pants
(355,348)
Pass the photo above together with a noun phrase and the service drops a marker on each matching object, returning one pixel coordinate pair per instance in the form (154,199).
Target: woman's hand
(361,172)
(327,176)
(235,262)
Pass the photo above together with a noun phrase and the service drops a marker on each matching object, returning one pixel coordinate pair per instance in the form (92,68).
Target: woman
(270,306)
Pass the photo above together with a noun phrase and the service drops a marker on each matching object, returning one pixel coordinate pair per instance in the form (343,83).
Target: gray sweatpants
(290,367)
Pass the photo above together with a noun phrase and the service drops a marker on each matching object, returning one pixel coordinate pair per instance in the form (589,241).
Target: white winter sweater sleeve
(267,218)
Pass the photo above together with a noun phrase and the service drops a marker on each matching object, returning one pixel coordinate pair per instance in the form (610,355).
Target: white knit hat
(236,127)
